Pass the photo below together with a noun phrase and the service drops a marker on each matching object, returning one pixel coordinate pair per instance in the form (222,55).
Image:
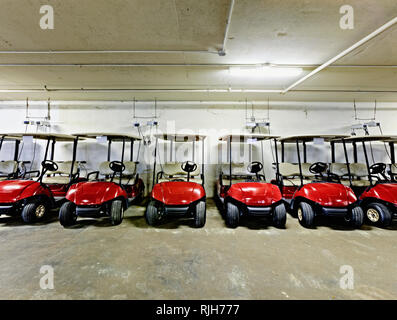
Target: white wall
(214,119)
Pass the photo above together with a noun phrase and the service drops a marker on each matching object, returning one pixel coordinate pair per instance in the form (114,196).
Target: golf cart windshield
(10,168)
(304,172)
(125,170)
(174,169)
(60,172)
(236,171)
(366,174)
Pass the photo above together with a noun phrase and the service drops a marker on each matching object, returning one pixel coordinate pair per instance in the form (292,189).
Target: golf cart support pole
(282,151)
(52,150)
(122,158)
(304,152)
(347,162)
(367,162)
(109,148)
(299,162)
(355,157)
(202,160)
(46,149)
(16,152)
(277,165)
(193,149)
(332,151)
(392,153)
(132,150)
(73,158)
(155,162)
(230,159)
(392,159)
(1,142)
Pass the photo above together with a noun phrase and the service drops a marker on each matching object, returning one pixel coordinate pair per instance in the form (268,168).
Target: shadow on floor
(16,221)
(167,223)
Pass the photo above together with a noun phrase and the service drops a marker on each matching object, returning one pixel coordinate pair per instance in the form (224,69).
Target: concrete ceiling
(292,32)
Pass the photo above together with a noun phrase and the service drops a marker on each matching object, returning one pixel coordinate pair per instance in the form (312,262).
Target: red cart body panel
(12,191)
(327,194)
(255,193)
(384,191)
(178,192)
(94,193)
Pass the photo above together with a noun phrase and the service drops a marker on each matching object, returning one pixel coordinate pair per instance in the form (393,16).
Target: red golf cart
(114,186)
(316,190)
(375,187)
(243,190)
(178,188)
(32,199)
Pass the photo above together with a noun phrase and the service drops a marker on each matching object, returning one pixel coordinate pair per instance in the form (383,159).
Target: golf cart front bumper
(6,209)
(258,211)
(177,210)
(90,211)
(334,212)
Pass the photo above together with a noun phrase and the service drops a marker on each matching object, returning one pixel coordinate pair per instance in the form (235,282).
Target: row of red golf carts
(348,189)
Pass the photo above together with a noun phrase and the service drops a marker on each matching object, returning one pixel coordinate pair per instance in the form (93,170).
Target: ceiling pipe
(167,103)
(222,52)
(212,65)
(343,53)
(83,90)
(215,90)
(103,51)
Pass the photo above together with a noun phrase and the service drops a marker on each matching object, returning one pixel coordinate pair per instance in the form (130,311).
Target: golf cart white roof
(383,138)
(110,136)
(10,137)
(45,136)
(180,137)
(244,137)
(311,137)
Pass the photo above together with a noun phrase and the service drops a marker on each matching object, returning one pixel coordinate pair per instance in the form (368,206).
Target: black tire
(280,216)
(305,215)
(152,213)
(67,214)
(232,216)
(356,217)
(381,212)
(200,214)
(34,211)
(116,212)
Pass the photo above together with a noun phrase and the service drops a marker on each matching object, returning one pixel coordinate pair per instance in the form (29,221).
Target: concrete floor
(174,261)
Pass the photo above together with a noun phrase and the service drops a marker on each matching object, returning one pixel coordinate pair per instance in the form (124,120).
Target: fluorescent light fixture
(265,71)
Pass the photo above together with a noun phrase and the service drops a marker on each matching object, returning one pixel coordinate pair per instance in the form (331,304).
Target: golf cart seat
(7,169)
(357,170)
(173,170)
(290,173)
(239,172)
(128,175)
(62,175)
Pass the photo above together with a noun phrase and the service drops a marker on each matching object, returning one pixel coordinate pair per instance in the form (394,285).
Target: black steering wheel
(188,166)
(117,166)
(255,167)
(49,165)
(377,168)
(318,167)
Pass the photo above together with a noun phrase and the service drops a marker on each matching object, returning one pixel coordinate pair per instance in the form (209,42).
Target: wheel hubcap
(373,215)
(40,211)
(300,214)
